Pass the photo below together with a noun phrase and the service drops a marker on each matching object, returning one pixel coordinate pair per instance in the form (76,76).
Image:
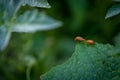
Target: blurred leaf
(113,11)
(4,37)
(37,3)
(8,8)
(7,11)
(89,62)
(7,15)
(33,21)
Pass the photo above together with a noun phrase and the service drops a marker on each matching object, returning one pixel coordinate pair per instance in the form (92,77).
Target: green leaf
(8,9)
(32,21)
(37,3)
(113,11)
(88,62)
(4,37)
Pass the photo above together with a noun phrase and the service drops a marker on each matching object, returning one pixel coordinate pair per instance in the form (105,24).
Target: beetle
(79,38)
(90,41)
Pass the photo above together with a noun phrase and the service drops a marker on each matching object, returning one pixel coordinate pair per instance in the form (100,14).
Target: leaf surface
(4,37)
(88,62)
(33,21)
(8,8)
(37,3)
(113,11)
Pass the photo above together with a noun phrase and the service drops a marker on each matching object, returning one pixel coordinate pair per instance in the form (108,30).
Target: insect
(79,38)
(90,41)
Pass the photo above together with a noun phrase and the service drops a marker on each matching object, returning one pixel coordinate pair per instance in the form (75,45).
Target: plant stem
(28,72)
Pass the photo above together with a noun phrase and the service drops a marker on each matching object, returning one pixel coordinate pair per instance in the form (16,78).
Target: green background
(42,50)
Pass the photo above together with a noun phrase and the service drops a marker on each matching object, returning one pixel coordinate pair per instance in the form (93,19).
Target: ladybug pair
(79,39)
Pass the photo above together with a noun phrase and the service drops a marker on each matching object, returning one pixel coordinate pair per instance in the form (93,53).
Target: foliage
(13,23)
(36,22)
(88,62)
(114,10)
